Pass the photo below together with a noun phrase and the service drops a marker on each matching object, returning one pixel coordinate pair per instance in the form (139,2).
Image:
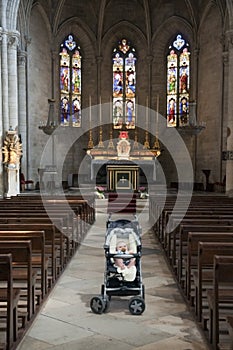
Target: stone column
(4,76)
(225,60)
(229,153)
(22,58)
(13,79)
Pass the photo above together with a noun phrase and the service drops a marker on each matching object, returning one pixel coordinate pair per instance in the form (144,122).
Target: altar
(123,167)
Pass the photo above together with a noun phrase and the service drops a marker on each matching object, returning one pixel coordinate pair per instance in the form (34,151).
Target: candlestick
(90,110)
(100,112)
(110,104)
(157,116)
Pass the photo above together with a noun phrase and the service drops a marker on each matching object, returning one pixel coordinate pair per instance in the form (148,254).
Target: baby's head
(121,246)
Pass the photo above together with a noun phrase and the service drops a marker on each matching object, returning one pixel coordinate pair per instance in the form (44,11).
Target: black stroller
(115,283)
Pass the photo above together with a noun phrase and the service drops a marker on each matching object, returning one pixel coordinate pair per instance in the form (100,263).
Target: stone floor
(66,321)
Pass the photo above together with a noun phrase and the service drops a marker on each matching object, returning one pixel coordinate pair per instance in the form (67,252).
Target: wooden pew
(67,224)
(49,231)
(62,233)
(221,295)
(183,241)
(173,235)
(230,329)
(39,259)
(203,276)
(192,251)
(9,298)
(22,269)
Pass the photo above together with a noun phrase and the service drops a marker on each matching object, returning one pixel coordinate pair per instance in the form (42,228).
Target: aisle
(67,323)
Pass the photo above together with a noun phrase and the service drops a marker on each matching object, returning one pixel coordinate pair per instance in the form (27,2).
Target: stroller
(115,284)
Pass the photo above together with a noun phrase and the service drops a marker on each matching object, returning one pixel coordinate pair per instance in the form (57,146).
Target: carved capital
(27,40)
(13,40)
(22,58)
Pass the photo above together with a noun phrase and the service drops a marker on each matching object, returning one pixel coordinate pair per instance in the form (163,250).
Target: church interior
(119,108)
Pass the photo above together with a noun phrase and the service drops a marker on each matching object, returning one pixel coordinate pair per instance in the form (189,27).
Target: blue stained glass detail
(70,43)
(179,42)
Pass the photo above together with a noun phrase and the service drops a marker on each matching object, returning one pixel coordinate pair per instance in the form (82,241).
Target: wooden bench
(39,259)
(191,260)
(172,236)
(23,274)
(9,298)
(230,330)
(66,224)
(203,276)
(183,242)
(50,249)
(220,298)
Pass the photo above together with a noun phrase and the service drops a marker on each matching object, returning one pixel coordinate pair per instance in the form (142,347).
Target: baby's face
(122,247)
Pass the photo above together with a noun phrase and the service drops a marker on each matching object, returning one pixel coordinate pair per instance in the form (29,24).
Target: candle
(90,109)
(110,107)
(100,116)
(147,112)
(157,114)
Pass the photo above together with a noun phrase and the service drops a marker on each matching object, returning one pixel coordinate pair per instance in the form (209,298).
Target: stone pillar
(22,58)
(13,79)
(224,135)
(229,153)
(4,76)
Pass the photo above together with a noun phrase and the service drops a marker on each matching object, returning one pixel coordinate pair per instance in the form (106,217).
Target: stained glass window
(70,83)
(178,83)
(124,86)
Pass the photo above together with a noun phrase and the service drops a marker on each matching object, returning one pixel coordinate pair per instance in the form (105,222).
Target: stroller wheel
(107,304)
(136,305)
(98,304)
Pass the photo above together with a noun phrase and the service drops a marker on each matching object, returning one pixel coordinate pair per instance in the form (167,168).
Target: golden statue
(12,149)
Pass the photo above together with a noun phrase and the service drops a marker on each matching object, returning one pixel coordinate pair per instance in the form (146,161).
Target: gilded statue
(12,150)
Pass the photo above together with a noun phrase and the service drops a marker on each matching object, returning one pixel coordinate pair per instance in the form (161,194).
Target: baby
(125,266)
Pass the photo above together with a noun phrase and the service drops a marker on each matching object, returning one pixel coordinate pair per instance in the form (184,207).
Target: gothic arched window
(124,86)
(70,83)
(178,83)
